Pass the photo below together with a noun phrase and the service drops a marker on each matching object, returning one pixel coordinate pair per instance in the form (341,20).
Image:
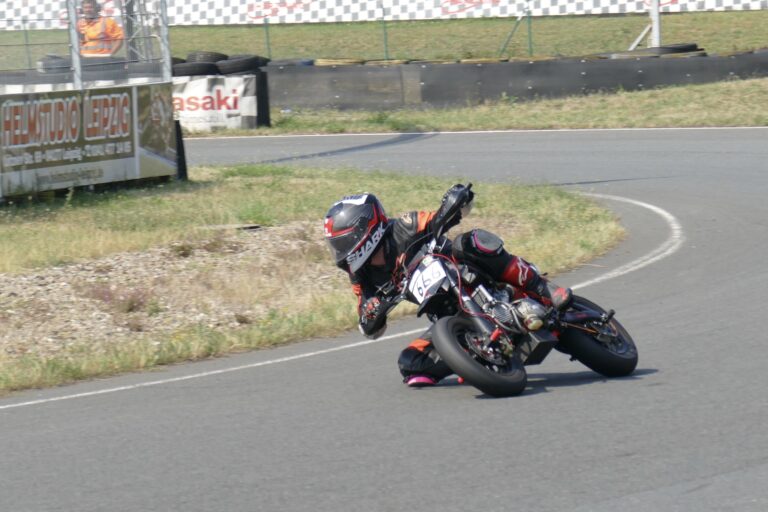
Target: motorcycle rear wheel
(450,342)
(617,358)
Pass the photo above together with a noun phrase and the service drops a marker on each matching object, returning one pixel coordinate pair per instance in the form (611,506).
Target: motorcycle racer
(369,246)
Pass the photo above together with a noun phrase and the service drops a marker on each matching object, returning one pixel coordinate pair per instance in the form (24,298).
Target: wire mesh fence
(84,43)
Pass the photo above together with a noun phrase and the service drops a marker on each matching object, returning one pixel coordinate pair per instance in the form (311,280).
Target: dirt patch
(226,281)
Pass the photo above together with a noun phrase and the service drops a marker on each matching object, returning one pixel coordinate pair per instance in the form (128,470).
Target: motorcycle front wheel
(451,337)
(611,353)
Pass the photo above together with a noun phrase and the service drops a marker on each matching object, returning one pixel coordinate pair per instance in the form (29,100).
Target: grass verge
(546,225)
(553,36)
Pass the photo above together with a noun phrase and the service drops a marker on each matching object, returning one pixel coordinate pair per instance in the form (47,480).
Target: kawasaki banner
(205,103)
(63,139)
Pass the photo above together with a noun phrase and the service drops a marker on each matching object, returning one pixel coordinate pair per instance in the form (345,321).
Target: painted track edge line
(671,245)
(208,374)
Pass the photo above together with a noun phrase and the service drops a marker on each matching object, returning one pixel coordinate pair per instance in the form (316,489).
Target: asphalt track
(326,425)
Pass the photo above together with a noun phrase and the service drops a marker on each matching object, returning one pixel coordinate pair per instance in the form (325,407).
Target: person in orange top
(100,36)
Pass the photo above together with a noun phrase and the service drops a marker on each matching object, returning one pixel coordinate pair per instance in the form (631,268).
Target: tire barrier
(292,62)
(195,69)
(449,83)
(660,51)
(338,62)
(386,62)
(201,63)
(201,56)
(241,64)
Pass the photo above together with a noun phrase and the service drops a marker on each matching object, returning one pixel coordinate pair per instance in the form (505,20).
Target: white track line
(209,374)
(672,244)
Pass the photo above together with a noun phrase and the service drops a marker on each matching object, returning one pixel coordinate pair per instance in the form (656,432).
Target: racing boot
(551,294)
(523,276)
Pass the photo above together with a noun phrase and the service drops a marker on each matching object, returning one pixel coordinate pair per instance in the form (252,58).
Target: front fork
(490,331)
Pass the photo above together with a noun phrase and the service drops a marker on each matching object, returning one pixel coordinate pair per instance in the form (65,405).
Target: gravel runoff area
(153,293)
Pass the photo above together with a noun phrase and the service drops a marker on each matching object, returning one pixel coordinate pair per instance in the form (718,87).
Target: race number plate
(424,278)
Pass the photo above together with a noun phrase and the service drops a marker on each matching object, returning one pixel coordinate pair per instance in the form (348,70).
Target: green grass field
(721,32)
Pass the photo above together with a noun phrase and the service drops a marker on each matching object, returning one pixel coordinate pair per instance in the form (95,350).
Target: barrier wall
(20,14)
(440,85)
(61,139)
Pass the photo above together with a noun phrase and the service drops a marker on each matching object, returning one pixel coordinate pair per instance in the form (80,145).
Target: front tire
(615,357)
(449,338)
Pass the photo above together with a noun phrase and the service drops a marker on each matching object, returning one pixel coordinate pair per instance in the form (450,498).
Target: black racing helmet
(354,228)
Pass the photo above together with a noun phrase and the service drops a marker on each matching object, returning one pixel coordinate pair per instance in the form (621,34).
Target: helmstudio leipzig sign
(61,139)
(74,128)
(40,122)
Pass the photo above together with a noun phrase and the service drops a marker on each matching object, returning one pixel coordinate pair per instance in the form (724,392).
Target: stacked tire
(199,63)
(214,63)
(669,50)
(241,64)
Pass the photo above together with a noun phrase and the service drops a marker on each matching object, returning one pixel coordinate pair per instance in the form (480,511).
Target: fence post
(26,42)
(384,30)
(165,51)
(74,43)
(530,29)
(655,24)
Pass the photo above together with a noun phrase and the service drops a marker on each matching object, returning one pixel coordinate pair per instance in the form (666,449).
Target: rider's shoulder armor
(408,226)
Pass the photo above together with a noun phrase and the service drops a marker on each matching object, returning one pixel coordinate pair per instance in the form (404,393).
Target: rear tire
(615,359)
(448,338)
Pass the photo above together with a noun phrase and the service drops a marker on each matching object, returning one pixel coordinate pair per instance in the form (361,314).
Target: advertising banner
(58,140)
(205,103)
(157,131)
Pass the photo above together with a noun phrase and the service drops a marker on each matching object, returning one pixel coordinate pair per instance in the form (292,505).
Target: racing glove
(455,204)
(373,317)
